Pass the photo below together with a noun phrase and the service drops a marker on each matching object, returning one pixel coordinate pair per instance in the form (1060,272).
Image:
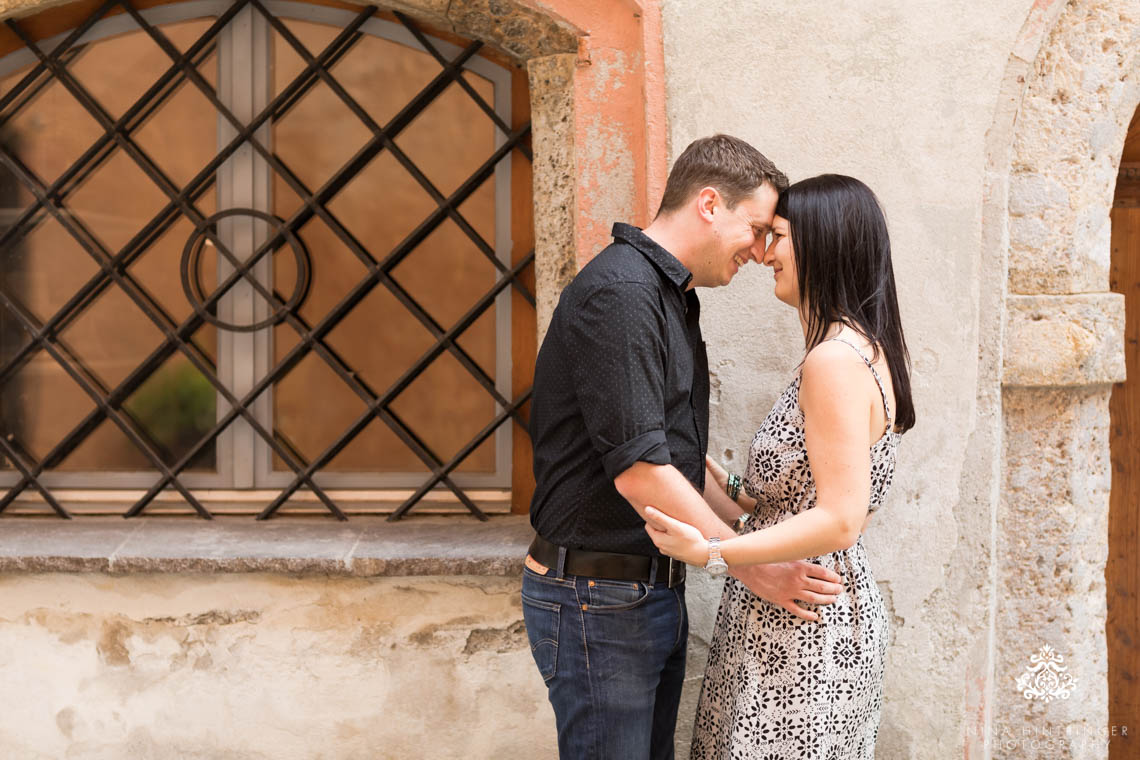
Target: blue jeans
(612,654)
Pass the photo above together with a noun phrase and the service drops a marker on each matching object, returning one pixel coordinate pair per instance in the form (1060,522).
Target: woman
(778,686)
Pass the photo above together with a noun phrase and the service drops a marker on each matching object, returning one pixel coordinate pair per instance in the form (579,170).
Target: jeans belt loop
(652,572)
(561,569)
(675,566)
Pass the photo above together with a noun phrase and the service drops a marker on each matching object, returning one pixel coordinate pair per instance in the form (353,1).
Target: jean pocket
(615,595)
(542,631)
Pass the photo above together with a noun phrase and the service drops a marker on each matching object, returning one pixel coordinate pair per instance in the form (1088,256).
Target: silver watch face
(716,566)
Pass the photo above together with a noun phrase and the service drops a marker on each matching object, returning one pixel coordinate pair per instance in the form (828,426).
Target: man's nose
(757,248)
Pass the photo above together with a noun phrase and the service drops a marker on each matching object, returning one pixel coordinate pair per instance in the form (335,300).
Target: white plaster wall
(156,667)
(900,94)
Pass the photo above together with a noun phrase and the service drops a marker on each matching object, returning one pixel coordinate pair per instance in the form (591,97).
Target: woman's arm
(716,479)
(726,509)
(836,398)
(716,496)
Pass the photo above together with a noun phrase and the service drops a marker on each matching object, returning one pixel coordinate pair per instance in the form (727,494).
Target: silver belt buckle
(676,573)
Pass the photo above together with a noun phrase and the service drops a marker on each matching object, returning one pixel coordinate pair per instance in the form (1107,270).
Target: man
(619,420)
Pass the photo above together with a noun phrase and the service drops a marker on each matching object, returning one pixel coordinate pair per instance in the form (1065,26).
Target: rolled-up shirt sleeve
(618,342)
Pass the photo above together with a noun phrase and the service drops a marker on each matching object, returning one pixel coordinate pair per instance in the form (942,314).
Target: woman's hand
(716,472)
(677,539)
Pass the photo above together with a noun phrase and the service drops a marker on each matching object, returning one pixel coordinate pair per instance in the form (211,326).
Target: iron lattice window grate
(180,204)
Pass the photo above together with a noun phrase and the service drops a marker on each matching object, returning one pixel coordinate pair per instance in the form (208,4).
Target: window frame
(256,473)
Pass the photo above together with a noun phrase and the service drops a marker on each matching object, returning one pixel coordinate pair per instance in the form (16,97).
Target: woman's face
(780,256)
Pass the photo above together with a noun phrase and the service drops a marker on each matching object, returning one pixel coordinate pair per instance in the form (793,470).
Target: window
(262,255)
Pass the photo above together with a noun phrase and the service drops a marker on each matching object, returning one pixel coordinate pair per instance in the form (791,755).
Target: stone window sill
(362,547)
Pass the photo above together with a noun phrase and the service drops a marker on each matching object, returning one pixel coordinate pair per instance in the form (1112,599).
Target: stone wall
(160,666)
(1064,335)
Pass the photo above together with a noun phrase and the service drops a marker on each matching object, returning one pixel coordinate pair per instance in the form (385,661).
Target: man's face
(739,235)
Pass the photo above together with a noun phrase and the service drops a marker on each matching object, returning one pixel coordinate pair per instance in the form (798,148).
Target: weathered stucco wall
(900,94)
(153,667)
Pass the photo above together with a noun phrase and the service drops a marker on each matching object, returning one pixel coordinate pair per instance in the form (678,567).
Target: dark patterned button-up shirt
(621,377)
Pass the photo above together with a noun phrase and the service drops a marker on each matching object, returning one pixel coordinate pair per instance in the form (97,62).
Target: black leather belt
(609,565)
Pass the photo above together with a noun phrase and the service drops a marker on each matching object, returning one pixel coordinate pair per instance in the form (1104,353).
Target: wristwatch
(740,522)
(716,564)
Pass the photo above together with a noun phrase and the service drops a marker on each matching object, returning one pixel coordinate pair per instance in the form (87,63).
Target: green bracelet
(732,487)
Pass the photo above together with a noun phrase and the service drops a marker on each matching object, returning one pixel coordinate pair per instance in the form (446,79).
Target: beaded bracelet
(732,487)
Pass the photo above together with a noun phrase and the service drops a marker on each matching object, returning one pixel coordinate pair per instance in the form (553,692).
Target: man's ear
(707,200)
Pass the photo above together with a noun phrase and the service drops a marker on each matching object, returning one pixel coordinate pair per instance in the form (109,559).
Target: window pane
(445,275)
(113,200)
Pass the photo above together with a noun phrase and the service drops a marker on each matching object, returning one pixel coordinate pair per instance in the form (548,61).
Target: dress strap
(878,381)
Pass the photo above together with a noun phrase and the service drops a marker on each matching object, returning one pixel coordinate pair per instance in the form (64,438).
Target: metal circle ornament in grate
(191,259)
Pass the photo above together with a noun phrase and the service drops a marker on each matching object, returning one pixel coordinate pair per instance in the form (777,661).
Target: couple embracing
(626,496)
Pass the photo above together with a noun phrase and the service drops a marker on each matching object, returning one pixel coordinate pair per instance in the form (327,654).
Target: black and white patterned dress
(777,686)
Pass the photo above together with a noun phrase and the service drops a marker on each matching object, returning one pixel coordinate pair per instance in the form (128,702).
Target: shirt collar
(669,265)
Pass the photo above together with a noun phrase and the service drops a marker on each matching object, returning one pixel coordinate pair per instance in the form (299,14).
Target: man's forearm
(664,487)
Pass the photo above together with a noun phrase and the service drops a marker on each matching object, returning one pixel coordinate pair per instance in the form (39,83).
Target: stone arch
(1069,91)
(596,73)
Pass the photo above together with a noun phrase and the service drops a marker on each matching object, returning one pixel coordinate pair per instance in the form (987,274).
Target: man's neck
(669,233)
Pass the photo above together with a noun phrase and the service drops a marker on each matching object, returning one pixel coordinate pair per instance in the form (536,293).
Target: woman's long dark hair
(843,263)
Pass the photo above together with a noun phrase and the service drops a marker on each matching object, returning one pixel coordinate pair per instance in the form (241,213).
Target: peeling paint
(213,617)
(499,640)
(897,621)
(112,645)
(714,388)
(606,169)
(611,72)
(65,719)
(253,665)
